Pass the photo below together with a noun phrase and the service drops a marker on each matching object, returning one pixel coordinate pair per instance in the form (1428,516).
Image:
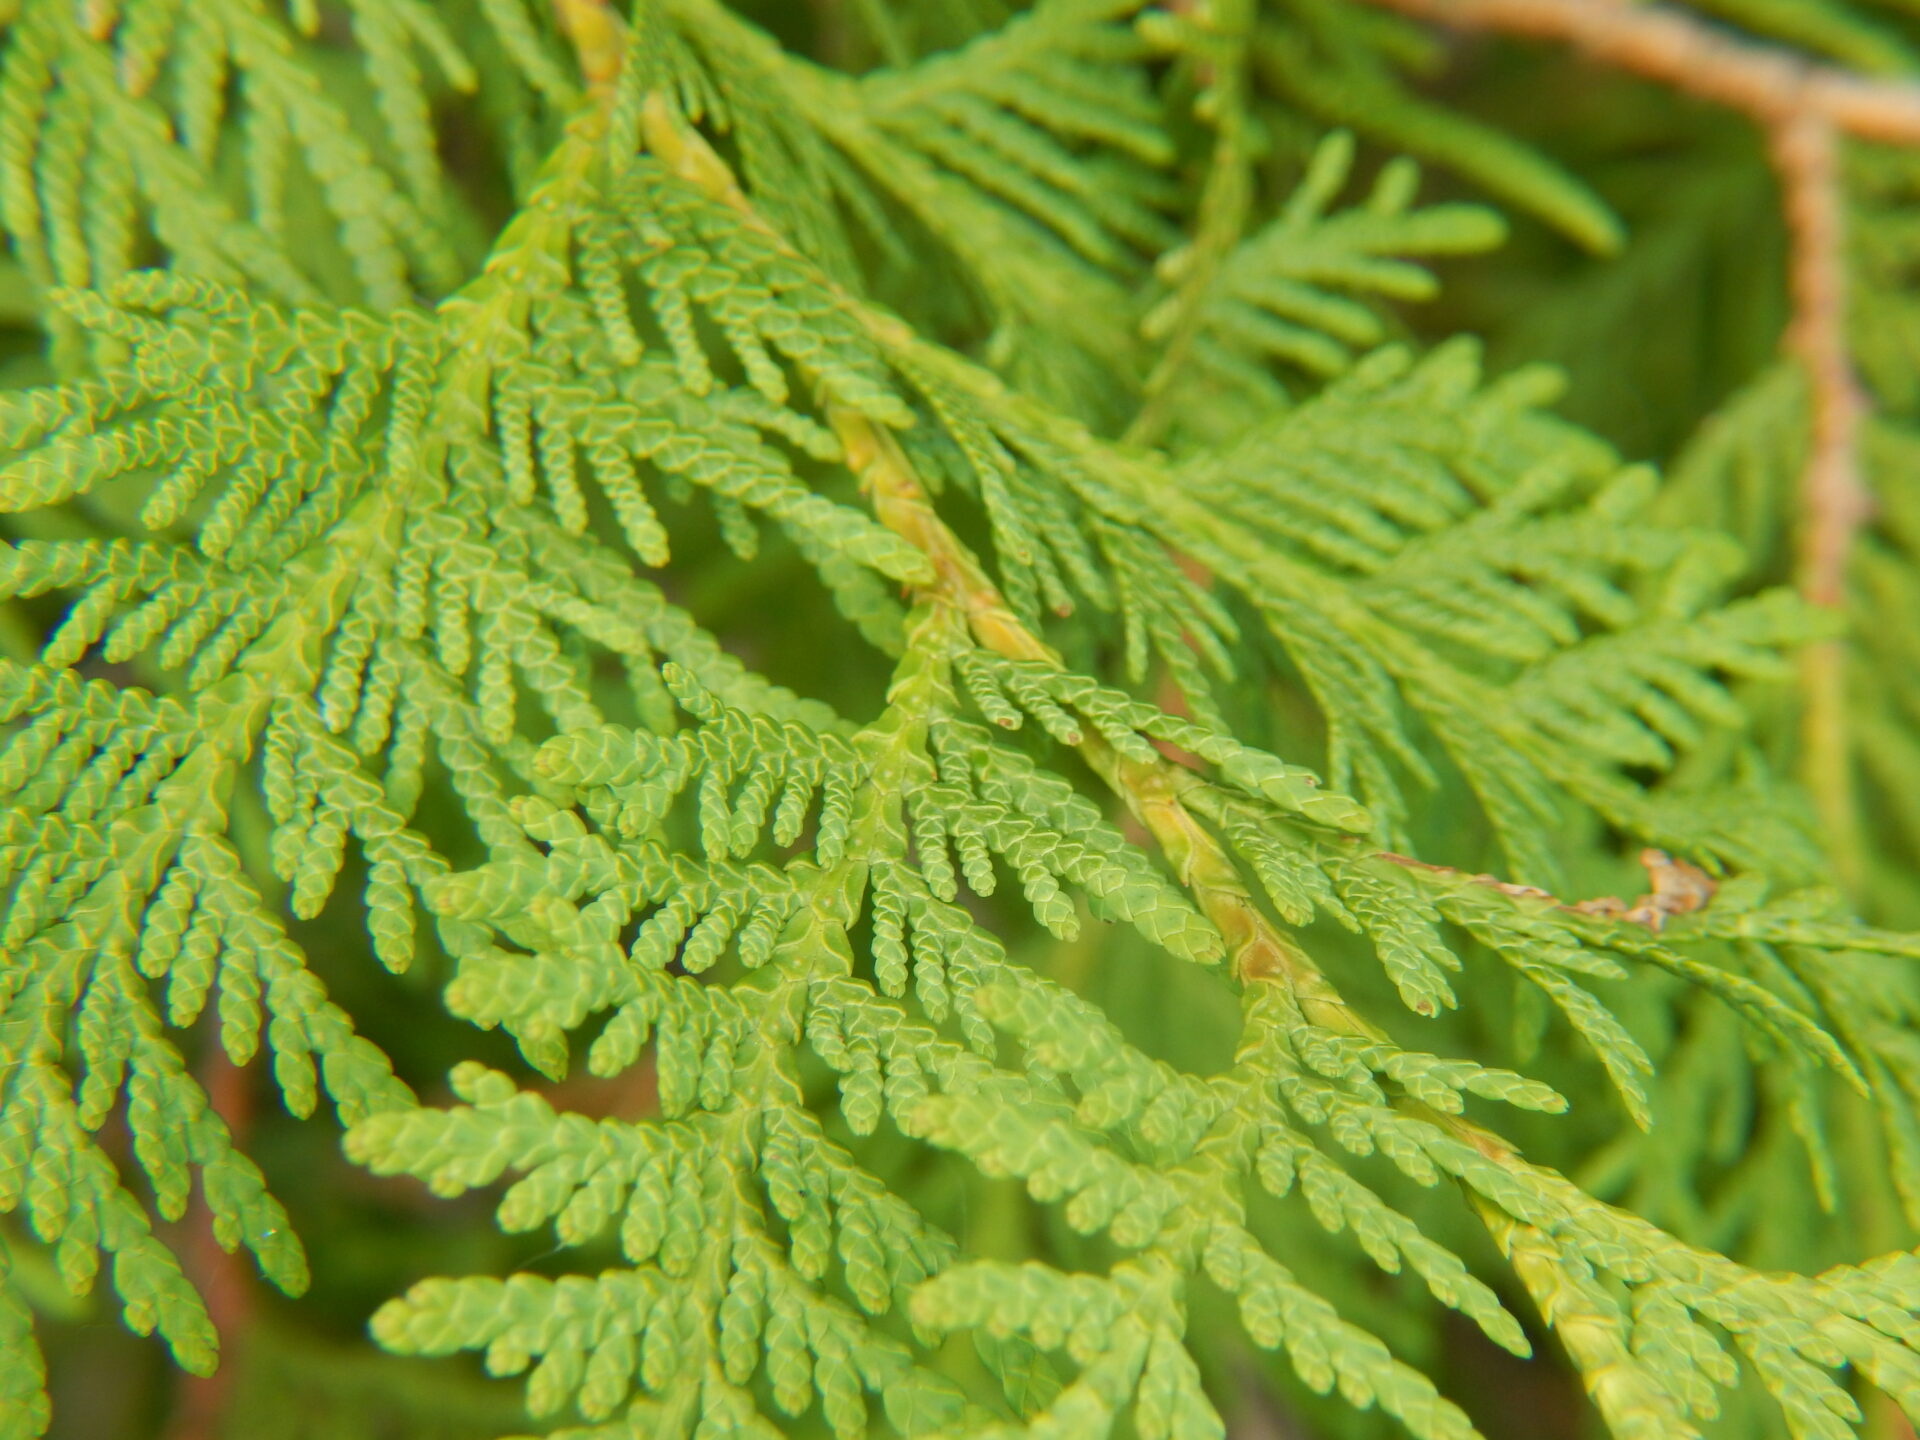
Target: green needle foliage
(887,668)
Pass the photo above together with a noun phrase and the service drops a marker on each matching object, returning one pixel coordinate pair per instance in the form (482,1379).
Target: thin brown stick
(200,1401)
(1676,888)
(1833,498)
(1768,84)
(1834,501)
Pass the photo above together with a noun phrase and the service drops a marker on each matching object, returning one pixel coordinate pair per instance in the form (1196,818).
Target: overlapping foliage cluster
(1019,760)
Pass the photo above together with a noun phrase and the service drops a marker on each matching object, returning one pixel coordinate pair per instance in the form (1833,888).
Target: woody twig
(201,1402)
(1772,86)
(1833,498)
(1675,888)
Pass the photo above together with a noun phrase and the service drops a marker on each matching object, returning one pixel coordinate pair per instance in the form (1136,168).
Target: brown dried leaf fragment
(1679,888)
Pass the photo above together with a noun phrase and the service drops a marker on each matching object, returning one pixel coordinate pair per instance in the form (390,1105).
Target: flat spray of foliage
(891,580)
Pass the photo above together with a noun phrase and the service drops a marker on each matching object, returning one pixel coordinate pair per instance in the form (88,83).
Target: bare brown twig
(220,1275)
(1833,498)
(1677,888)
(1770,85)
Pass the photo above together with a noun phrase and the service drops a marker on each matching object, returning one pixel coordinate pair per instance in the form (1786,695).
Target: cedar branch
(1804,109)
(1155,791)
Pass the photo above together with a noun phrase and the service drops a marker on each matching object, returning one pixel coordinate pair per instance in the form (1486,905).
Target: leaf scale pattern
(1095,977)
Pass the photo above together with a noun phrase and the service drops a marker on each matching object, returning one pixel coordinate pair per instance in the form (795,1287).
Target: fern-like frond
(359,584)
(1492,549)
(1341,67)
(1291,294)
(160,79)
